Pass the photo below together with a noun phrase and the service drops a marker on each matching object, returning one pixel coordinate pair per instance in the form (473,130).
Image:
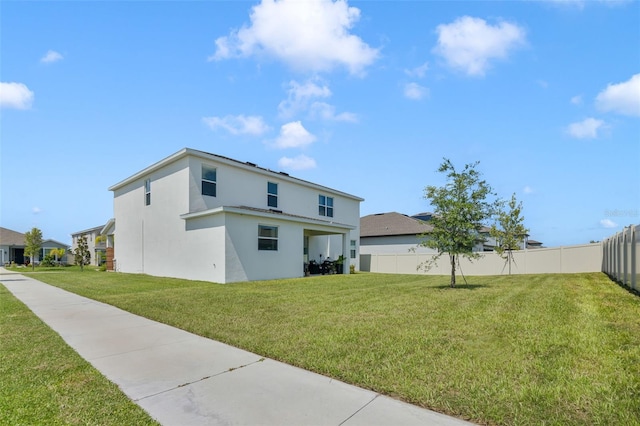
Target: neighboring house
(533,244)
(385,233)
(392,233)
(48,245)
(96,248)
(198,215)
(12,246)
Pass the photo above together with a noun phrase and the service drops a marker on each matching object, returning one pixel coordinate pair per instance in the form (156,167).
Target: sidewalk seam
(231,369)
(359,409)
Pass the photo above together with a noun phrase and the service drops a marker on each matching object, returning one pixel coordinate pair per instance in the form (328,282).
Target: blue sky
(365,97)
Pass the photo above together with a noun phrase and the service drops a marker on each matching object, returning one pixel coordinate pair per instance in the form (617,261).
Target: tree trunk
(452,257)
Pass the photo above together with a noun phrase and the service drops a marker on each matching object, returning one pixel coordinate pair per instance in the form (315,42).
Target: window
(267,237)
(272,194)
(147,192)
(325,206)
(353,249)
(208,181)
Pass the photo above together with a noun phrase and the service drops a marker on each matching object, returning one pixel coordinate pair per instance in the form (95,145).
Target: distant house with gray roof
(12,246)
(386,233)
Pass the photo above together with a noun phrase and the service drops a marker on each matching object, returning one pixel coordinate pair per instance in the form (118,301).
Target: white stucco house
(198,215)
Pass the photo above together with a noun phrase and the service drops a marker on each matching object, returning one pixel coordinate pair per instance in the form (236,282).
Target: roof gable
(11,238)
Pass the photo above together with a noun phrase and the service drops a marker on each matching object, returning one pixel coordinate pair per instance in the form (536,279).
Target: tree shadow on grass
(461,287)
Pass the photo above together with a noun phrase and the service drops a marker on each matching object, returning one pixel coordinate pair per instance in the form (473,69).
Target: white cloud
(15,95)
(585,129)
(300,95)
(51,56)
(608,223)
(623,98)
(527,190)
(306,35)
(301,162)
(577,100)
(36,210)
(415,91)
(327,112)
(469,44)
(294,135)
(419,71)
(238,124)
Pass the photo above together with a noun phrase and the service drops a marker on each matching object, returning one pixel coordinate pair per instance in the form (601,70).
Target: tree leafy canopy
(32,244)
(82,253)
(509,232)
(460,209)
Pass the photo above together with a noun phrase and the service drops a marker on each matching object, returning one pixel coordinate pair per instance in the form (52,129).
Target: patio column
(345,253)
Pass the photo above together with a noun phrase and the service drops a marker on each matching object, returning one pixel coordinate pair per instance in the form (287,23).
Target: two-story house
(95,244)
(202,216)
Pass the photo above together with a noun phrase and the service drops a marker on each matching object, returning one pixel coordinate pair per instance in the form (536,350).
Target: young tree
(460,209)
(82,253)
(32,244)
(510,232)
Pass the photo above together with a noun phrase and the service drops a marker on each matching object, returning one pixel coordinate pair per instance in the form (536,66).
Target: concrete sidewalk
(183,379)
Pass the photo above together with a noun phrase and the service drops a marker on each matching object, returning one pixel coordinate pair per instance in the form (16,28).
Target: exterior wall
(569,259)
(150,239)
(4,254)
(245,262)
(240,185)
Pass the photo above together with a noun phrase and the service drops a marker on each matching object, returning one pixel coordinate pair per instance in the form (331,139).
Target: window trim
(147,192)
(272,195)
(267,238)
(325,205)
(204,181)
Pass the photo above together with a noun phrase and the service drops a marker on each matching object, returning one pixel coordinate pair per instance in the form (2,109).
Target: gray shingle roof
(386,224)
(11,238)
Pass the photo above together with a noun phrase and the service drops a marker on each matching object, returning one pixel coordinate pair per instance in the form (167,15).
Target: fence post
(634,248)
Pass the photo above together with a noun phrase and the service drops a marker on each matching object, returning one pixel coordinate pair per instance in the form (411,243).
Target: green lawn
(526,350)
(45,382)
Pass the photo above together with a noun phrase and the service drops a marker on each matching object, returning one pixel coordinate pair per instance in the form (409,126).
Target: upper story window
(272,194)
(267,237)
(208,181)
(147,192)
(325,206)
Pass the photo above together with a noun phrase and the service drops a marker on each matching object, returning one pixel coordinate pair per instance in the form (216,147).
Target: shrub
(48,261)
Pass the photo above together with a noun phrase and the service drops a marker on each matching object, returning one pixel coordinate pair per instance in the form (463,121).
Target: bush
(48,261)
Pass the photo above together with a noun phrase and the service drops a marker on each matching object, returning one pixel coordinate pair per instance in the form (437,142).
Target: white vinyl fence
(621,257)
(567,259)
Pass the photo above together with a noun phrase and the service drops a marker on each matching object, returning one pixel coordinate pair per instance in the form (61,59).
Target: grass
(44,381)
(526,350)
